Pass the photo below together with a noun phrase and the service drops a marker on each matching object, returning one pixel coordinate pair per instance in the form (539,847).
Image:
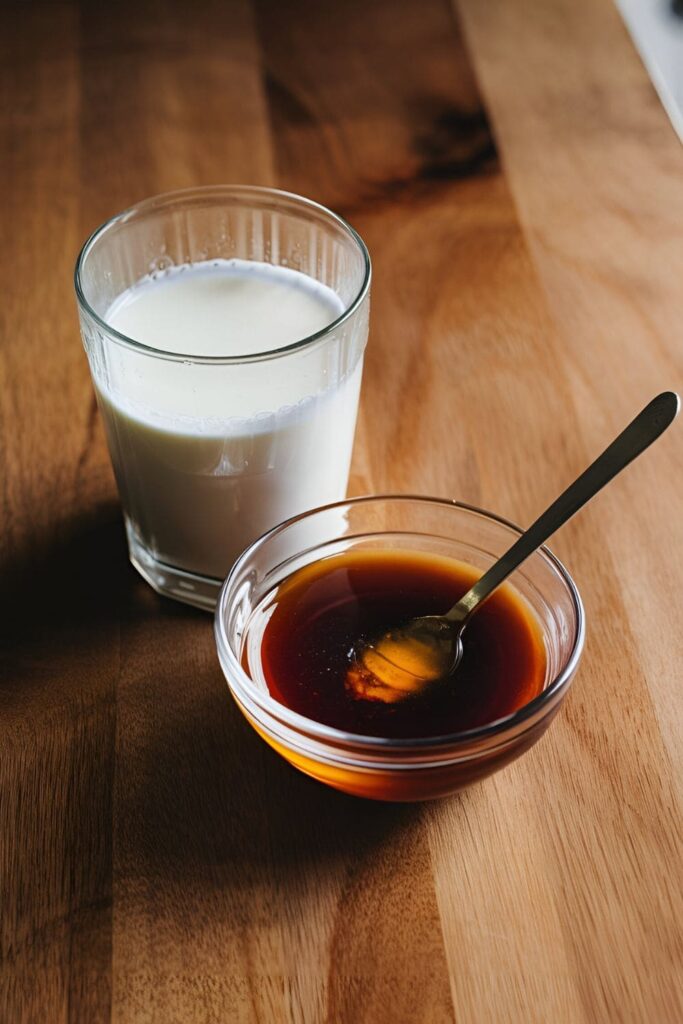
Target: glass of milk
(225,329)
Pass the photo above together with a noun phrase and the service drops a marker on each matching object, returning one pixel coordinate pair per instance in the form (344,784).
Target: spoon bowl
(404,661)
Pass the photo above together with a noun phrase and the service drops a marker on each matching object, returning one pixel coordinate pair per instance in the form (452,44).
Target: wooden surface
(521,192)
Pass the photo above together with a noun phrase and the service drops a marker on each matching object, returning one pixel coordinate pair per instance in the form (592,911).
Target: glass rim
(317,730)
(208,192)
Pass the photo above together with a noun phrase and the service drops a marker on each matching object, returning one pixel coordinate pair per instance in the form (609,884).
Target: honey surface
(325,612)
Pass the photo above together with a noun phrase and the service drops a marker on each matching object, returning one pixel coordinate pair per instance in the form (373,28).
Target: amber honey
(322,615)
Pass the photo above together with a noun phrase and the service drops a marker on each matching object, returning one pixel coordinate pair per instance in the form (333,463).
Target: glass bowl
(398,769)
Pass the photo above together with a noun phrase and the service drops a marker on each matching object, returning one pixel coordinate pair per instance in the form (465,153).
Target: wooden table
(521,192)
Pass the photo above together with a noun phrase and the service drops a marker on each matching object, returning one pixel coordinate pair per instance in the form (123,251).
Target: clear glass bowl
(375,767)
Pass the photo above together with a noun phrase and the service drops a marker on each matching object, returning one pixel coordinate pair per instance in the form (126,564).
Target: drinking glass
(197,487)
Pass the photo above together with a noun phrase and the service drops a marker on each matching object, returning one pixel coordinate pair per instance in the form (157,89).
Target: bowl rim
(197,195)
(318,731)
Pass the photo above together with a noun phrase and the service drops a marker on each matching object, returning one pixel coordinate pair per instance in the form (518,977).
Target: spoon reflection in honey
(412,657)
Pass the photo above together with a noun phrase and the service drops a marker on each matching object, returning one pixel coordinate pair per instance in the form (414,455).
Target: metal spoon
(407,659)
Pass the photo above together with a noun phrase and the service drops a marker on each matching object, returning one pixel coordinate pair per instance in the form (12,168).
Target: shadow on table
(77,575)
(208,796)
(196,791)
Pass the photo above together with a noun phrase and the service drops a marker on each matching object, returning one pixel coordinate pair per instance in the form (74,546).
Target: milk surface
(209,456)
(224,308)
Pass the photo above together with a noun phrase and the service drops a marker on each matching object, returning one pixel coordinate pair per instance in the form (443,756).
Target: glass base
(169,581)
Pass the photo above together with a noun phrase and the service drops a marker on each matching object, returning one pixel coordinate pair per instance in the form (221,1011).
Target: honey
(314,623)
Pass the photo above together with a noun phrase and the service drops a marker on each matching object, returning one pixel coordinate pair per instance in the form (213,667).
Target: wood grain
(519,188)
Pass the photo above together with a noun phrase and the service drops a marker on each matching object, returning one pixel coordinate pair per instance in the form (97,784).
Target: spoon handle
(638,435)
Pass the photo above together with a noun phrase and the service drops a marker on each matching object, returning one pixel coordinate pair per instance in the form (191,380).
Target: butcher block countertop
(521,192)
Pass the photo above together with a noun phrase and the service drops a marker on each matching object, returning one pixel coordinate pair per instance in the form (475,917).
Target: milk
(208,456)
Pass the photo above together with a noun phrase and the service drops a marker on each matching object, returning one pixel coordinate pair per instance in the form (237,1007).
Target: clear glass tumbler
(197,489)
